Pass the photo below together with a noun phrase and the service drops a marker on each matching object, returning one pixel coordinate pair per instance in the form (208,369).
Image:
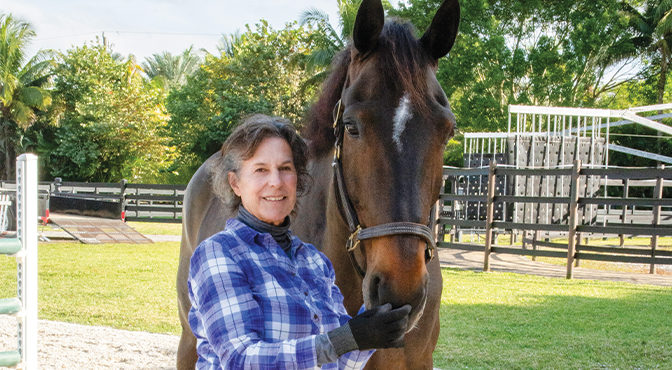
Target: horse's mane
(401,65)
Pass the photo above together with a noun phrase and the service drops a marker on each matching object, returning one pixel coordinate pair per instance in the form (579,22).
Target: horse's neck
(311,219)
(320,223)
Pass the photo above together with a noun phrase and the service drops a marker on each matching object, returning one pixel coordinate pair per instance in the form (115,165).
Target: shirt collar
(252,236)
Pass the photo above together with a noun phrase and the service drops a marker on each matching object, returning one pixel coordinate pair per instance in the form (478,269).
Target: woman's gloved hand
(380,327)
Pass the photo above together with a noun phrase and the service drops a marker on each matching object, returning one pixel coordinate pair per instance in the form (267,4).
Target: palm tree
(227,44)
(22,85)
(327,39)
(168,71)
(653,29)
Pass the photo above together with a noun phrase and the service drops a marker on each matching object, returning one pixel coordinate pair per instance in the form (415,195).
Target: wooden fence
(136,202)
(622,215)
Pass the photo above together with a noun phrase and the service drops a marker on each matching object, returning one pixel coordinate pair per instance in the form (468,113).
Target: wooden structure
(615,215)
(122,200)
(96,230)
(551,137)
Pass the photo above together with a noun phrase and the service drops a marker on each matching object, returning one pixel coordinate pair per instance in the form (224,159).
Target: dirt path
(72,346)
(521,265)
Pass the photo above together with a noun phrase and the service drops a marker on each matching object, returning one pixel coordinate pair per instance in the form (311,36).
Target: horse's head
(396,120)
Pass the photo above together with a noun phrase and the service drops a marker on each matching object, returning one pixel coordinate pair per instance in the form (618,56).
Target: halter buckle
(353,240)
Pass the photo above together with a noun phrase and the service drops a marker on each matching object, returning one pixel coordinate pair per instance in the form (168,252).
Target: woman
(262,298)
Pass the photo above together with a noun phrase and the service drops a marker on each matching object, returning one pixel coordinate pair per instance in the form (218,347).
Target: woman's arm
(230,319)
(354,359)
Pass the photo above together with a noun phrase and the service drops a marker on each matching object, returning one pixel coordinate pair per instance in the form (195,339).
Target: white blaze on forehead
(401,116)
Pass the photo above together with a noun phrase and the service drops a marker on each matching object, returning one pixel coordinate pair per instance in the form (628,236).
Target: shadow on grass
(516,321)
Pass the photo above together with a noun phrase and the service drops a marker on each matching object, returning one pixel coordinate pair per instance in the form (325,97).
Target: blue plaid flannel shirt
(255,308)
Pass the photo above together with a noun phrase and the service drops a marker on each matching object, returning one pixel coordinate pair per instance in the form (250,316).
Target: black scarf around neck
(279,233)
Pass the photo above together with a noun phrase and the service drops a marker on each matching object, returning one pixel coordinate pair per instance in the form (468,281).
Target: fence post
(57,184)
(658,194)
(626,193)
(122,197)
(490,212)
(573,216)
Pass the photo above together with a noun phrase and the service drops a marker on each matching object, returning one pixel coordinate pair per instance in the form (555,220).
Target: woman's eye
(260,170)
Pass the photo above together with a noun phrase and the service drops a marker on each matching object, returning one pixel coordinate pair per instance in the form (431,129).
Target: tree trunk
(662,81)
(9,168)
(663,75)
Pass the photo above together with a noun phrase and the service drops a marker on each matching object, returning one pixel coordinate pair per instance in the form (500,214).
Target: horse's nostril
(375,290)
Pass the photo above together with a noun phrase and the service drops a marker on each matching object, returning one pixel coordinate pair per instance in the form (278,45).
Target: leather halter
(357,232)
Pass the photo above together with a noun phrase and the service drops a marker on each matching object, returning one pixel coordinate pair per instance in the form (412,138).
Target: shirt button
(305,293)
(315,317)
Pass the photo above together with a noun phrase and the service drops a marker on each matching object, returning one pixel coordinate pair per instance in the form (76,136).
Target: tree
(23,87)
(328,41)
(532,52)
(653,36)
(168,71)
(260,71)
(110,122)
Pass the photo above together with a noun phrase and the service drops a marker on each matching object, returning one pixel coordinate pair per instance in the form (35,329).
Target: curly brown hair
(243,143)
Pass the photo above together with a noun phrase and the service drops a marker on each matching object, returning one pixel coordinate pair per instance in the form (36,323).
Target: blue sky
(145,27)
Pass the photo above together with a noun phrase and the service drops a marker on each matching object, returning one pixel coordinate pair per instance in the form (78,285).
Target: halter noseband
(357,233)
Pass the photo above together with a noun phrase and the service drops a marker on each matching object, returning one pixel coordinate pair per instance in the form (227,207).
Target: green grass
(156,228)
(126,286)
(488,320)
(498,320)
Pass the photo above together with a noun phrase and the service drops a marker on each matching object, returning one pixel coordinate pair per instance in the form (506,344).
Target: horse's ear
(440,37)
(368,25)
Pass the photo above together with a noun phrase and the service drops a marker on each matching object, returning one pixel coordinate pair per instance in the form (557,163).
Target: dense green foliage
(261,72)
(169,71)
(156,122)
(532,52)
(110,120)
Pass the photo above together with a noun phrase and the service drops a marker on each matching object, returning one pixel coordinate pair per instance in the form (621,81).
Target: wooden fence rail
(653,221)
(134,202)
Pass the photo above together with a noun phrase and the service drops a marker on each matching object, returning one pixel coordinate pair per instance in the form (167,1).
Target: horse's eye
(442,100)
(351,128)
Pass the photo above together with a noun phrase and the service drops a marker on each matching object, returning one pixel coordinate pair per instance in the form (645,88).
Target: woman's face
(266,182)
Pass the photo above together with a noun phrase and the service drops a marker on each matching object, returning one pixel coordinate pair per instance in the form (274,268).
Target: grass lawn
(488,320)
(499,320)
(126,286)
(156,228)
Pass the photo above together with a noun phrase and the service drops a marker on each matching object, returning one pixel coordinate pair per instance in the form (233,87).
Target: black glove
(380,327)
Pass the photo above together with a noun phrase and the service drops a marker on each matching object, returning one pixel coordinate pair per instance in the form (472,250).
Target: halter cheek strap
(357,233)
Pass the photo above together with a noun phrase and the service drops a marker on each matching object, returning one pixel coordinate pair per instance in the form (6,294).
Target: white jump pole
(24,248)
(26,178)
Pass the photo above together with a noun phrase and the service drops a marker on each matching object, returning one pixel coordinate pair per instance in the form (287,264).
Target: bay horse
(376,137)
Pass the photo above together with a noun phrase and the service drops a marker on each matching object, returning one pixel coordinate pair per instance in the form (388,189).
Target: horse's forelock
(404,63)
